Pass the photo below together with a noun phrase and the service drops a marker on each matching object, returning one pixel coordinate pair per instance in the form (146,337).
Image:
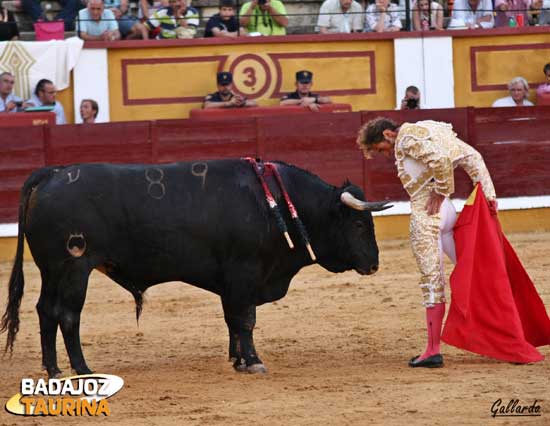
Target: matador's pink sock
(434,323)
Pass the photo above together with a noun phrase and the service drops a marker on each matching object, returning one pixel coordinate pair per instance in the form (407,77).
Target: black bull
(204,223)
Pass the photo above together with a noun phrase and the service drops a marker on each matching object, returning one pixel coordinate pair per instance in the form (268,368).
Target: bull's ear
(349,200)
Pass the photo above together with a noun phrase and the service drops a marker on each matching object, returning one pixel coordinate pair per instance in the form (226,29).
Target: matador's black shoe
(434,361)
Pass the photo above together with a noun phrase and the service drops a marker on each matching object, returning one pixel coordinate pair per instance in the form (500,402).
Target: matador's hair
(372,132)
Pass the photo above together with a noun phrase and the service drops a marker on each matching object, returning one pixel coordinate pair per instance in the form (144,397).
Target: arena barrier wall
(515,143)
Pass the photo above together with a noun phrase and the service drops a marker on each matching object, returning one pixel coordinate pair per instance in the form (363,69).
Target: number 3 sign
(251,75)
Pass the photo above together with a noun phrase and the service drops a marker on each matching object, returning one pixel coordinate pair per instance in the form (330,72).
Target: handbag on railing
(45,31)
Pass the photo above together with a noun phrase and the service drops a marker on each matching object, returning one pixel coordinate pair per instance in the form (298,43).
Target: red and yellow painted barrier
(485,64)
(167,82)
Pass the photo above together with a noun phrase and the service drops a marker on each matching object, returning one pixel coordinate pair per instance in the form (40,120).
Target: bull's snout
(370,271)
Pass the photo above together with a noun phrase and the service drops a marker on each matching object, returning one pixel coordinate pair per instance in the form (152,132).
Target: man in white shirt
(340,16)
(472,14)
(383,16)
(97,23)
(544,16)
(519,90)
(8,101)
(44,95)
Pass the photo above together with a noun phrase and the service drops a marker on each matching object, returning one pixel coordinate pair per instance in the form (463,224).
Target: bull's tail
(10,319)
(138,297)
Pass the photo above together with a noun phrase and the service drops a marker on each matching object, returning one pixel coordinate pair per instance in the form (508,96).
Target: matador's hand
(493,207)
(433,205)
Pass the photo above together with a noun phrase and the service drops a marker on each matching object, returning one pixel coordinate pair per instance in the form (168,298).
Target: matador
(426,155)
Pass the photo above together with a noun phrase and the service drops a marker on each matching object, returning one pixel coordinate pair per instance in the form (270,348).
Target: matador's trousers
(431,236)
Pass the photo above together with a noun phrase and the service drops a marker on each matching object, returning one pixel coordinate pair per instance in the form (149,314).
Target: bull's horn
(350,201)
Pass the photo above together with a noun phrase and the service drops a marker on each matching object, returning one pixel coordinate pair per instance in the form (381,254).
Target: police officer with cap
(303,96)
(224,97)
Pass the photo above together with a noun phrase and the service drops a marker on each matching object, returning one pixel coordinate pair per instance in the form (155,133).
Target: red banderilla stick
(271,202)
(292,209)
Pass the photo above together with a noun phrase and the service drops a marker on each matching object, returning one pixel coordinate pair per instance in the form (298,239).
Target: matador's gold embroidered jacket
(429,150)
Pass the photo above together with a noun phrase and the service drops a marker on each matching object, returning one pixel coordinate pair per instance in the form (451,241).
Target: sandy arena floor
(336,348)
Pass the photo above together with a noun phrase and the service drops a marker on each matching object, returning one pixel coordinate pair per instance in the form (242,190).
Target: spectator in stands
(174,21)
(44,95)
(146,8)
(8,101)
(88,111)
(264,17)
(67,14)
(427,15)
(472,14)
(543,88)
(340,16)
(188,26)
(544,15)
(519,90)
(224,97)
(383,16)
(129,26)
(303,96)
(506,9)
(224,23)
(8,26)
(411,99)
(97,23)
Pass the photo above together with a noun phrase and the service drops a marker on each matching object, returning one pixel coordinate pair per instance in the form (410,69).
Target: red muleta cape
(495,309)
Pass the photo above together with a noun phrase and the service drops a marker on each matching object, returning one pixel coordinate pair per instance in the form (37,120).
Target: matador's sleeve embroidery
(473,164)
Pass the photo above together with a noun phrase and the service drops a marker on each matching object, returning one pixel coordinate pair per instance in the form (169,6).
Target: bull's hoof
(82,370)
(240,365)
(53,372)
(256,369)
(56,374)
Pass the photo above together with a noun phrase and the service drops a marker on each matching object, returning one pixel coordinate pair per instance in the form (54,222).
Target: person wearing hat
(303,96)
(224,97)
(225,23)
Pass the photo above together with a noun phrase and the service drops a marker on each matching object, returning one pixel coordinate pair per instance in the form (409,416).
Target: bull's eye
(359,225)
